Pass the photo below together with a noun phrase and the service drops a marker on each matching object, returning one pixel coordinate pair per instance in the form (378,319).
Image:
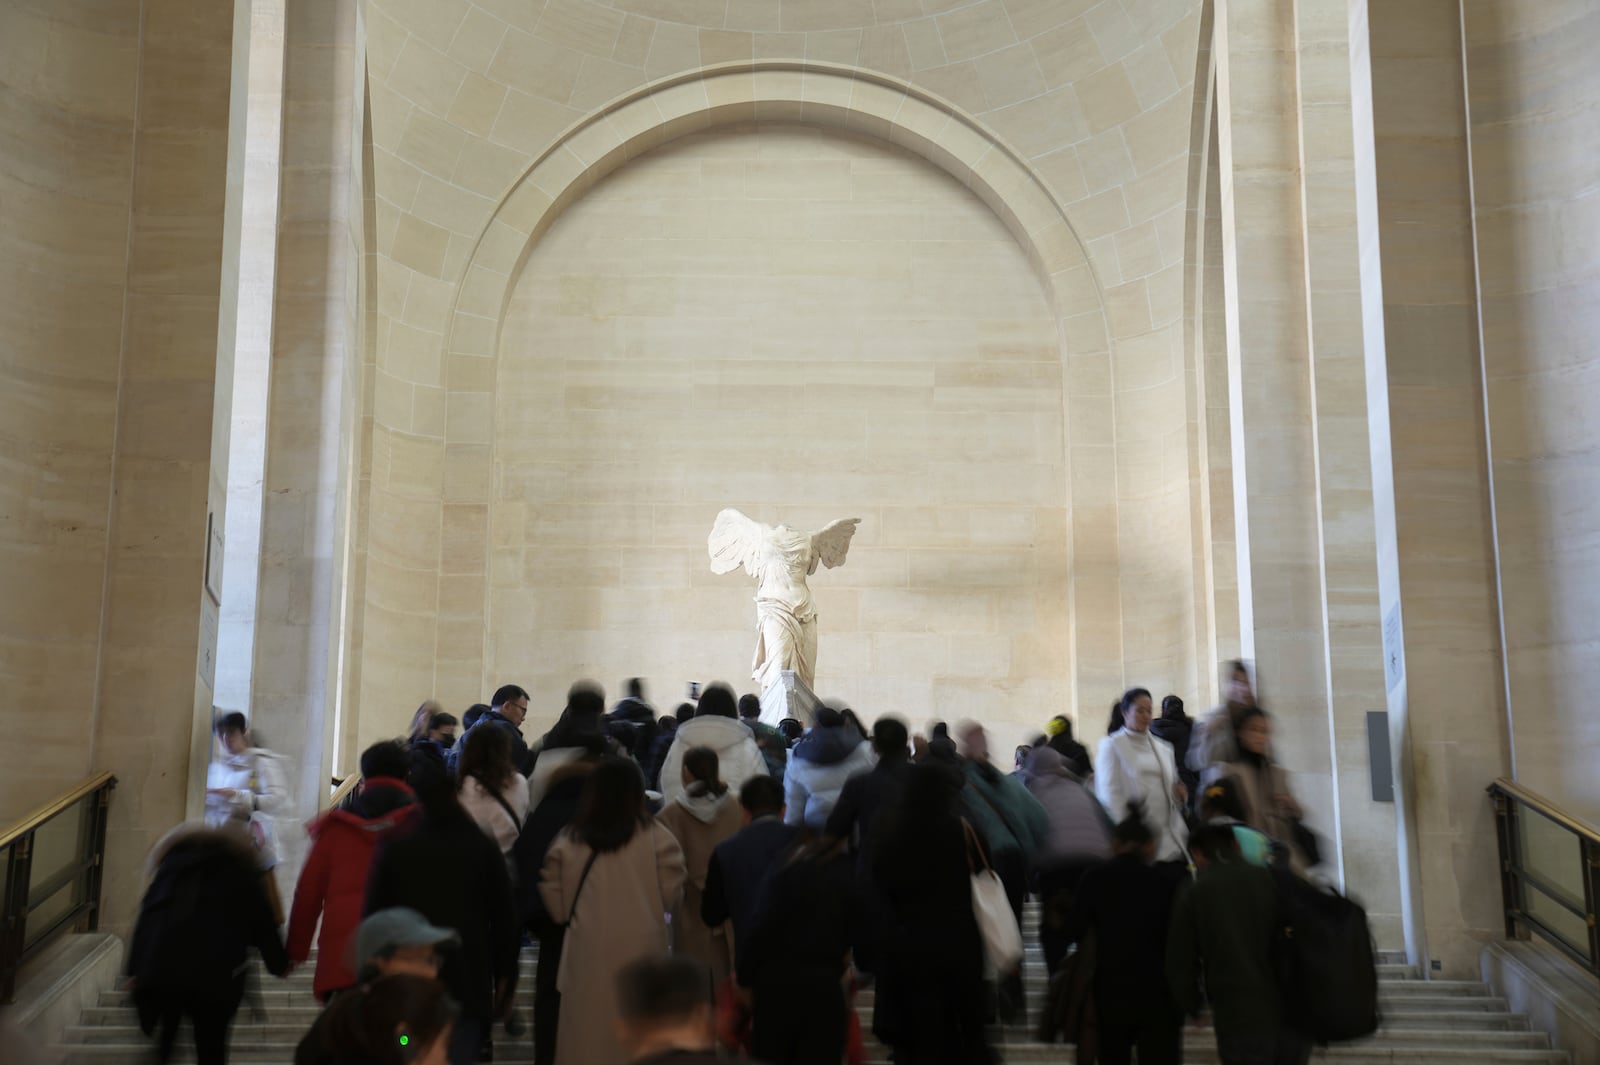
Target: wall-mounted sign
(214,560)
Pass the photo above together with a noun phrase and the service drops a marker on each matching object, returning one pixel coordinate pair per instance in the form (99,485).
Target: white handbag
(997,925)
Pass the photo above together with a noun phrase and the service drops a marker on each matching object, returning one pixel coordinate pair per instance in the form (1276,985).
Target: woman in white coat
(1133,766)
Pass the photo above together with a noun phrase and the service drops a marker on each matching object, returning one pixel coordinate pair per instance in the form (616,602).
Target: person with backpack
(1223,929)
(609,879)
(204,911)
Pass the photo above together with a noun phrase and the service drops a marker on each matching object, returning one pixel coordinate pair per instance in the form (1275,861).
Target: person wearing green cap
(398,940)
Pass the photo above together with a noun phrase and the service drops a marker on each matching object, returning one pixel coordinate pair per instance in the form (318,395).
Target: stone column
(244,353)
(1447,689)
(294,685)
(1273,407)
(150,627)
(1310,611)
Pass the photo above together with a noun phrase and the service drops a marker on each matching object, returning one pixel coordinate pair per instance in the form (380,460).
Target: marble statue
(781,559)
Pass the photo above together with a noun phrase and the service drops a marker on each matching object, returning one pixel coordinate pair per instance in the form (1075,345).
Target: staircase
(1425,1023)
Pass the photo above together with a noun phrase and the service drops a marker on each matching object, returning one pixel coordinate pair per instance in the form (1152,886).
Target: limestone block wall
(68,83)
(1094,97)
(1531,84)
(1449,704)
(116,126)
(805,325)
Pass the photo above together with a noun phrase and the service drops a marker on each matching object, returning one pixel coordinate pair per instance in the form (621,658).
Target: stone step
(520,1052)
(289,1029)
(1452,997)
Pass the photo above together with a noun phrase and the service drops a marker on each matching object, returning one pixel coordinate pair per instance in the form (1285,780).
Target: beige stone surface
(1139,334)
(1530,83)
(680,341)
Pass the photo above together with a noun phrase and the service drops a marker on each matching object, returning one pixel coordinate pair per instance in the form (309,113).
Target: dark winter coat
(930,984)
(1223,925)
(521,757)
(1178,731)
(204,911)
(445,868)
(865,797)
(1128,906)
(738,869)
(1003,810)
(557,810)
(429,767)
(639,718)
(794,958)
(1075,753)
(650,763)
(774,748)
(333,882)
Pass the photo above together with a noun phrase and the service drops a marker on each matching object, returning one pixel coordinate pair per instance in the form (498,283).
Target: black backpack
(1325,963)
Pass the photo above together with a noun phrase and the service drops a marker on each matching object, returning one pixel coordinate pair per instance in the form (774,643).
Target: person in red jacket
(333,883)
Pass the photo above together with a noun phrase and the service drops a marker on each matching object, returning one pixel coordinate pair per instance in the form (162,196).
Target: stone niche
(806,325)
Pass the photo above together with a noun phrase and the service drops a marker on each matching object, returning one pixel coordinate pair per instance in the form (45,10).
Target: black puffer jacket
(204,911)
(1177,729)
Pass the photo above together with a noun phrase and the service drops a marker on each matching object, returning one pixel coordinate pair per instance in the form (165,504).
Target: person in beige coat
(1263,785)
(611,878)
(702,817)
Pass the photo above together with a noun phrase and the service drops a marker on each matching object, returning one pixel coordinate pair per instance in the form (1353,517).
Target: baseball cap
(400,926)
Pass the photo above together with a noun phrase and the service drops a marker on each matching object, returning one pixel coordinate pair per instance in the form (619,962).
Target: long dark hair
(486,757)
(1116,719)
(702,764)
(611,808)
(368,1023)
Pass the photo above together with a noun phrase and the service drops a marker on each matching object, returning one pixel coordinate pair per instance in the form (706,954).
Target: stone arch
(824,95)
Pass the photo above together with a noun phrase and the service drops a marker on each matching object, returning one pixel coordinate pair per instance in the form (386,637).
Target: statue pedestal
(789,697)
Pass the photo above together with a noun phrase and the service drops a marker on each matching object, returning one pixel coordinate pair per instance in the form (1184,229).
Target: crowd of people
(701,883)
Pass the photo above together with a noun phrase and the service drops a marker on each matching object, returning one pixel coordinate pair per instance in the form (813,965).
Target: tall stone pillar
(294,682)
(1309,603)
(1273,407)
(1447,685)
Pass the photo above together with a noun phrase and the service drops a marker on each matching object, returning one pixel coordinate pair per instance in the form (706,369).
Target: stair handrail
(1532,891)
(342,793)
(22,898)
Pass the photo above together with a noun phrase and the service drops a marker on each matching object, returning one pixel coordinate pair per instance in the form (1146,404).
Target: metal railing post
(95,875)
(1590,853)
(1503,815)
(14,931)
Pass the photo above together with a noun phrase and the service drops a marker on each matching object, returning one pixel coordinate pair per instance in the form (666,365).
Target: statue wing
(734,542)
(832,543)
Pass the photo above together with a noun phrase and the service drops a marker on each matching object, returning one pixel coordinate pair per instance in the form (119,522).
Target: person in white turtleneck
(1134,767)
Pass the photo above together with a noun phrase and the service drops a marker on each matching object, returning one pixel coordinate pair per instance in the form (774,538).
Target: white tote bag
(997,925)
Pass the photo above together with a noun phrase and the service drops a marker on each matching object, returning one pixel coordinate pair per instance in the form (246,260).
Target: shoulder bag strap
(973,844)
(582,880)
(506,806)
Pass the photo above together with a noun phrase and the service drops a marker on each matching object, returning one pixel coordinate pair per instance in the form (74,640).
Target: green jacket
(773,747)
(1005,811)
(1224,923)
